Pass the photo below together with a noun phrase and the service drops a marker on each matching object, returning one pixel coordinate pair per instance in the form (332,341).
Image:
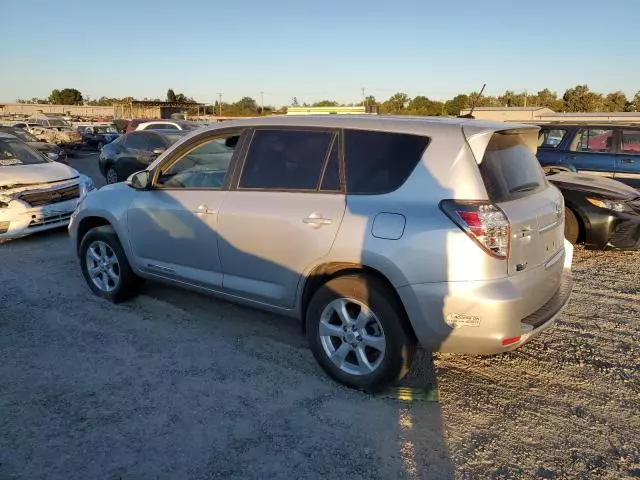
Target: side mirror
(140,180)
(157,151)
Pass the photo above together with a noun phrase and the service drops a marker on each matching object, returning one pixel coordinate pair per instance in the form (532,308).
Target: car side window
(630,142)
(204,166)
(135,141)
(379,162)
(286,159)
(551,138)
(152,141)
(598,140)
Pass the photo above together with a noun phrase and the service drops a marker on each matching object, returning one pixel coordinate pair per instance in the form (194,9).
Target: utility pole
(363,104)
(220,103)
(262,103)
(525,98)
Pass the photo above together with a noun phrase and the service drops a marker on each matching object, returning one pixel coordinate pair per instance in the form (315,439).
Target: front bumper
(620,230)
(24,220)
(488,317)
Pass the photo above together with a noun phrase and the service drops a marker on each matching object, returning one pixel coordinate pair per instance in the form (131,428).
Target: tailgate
(516,184)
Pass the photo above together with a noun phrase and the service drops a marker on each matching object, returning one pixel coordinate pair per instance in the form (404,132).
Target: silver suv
(379,233)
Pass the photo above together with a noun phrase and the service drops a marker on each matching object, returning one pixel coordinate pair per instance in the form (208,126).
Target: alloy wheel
(103,266)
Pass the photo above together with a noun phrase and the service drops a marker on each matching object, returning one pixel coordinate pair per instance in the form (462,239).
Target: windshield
(173,137)
(13,153)
(24,135)
(187,125)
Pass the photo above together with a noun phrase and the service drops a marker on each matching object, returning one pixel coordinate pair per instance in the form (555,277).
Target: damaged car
(36,193)
(51,150)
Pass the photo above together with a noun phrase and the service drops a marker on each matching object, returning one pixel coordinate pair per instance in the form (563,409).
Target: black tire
(129,283)
(111,175)
(571,226)
(399,342)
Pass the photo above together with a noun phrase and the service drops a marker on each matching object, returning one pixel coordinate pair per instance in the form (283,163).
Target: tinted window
(630,142)
(509,169)
(152,141)
(331,177)
(551,138)
(205,166)
(135,140)
(286,159)
(593,140)
(379,162)
(161,126)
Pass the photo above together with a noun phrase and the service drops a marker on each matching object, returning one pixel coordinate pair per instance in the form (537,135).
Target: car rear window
(379,162)
(551,137)
(509,169)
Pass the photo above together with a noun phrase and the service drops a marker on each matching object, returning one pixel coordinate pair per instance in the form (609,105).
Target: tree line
(575,99)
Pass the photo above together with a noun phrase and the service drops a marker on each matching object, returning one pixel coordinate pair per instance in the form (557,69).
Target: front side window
(135,141)
(379,162)
(598,140)
(204,166)
(630,142)
(152,141)
(286,160)
(551,138)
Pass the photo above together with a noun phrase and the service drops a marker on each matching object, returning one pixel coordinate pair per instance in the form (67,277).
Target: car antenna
(473,105)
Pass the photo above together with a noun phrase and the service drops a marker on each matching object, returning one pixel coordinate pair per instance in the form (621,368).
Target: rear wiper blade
(525,187)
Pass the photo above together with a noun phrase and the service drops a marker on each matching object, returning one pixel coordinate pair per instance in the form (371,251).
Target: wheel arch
(582,220)
(322,273)
(89,223)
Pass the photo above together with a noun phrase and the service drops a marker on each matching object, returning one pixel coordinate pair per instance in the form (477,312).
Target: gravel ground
(177,385)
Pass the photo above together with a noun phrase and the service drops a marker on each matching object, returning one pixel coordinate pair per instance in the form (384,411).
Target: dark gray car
(50,150)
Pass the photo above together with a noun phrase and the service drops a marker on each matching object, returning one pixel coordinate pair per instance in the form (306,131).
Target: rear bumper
(488,317)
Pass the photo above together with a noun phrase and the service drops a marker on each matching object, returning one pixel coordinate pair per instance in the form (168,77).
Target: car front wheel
(105,266)
(357,334)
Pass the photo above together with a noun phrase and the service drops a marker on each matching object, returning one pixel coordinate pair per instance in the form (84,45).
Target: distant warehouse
(359,110)
(152,109)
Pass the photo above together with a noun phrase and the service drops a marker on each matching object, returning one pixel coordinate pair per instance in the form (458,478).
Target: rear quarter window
(380,162)
(551,137)
(509,169)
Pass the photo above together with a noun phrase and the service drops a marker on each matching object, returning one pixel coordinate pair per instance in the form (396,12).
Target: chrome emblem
(558,210)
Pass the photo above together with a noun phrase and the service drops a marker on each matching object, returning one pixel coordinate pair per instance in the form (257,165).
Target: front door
(628,157)
(284,215)
(593,151)
(174,226)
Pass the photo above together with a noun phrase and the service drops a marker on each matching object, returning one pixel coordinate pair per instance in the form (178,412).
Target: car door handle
(204,210)
(627,160)
(316,220)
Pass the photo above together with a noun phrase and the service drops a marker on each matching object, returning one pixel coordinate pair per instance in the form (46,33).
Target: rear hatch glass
(516,183)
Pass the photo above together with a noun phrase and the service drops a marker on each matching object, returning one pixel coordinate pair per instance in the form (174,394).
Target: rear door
(628,157)
(592,151)
(517,185)
(284,214)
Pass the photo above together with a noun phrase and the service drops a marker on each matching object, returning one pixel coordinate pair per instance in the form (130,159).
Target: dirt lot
(176,385)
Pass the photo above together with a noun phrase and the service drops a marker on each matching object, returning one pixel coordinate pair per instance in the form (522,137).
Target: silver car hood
(19,178)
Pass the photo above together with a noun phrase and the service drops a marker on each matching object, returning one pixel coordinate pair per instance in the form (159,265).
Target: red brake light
(485,224)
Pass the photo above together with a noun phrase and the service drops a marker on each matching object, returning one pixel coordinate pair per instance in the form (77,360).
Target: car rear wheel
(105,266)
(112,175)
(571,226)
(357,334)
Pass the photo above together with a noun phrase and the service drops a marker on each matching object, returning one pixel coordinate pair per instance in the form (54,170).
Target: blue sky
(316,50)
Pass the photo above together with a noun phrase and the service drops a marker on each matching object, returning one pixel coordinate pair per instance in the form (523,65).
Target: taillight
(485,223)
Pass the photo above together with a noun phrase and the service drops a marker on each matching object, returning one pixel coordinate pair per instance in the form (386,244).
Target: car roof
(7,136)
(165,131)
(589,124)
(393,123)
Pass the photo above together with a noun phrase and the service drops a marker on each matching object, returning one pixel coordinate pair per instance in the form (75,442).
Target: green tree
(456,104)
(421,105)
(580,99)
(396,104)
(171,95)
(634,104)
(326,103)
(66,96)
(547,98)
(370,100)
(615,102)
(294,102)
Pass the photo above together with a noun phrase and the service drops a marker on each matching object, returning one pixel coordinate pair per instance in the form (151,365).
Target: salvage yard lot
(177,385)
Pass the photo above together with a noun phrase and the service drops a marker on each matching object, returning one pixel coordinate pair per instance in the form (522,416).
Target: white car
(35,193)
(169,125)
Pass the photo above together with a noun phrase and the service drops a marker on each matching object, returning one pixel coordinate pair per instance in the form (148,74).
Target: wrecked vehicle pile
(35,193)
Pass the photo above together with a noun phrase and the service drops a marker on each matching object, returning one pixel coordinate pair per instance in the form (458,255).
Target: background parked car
(97,136)
(132,125)
(35,193)
(134,152)
(52,151)
(168,125)
(599,212)
(608,150)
